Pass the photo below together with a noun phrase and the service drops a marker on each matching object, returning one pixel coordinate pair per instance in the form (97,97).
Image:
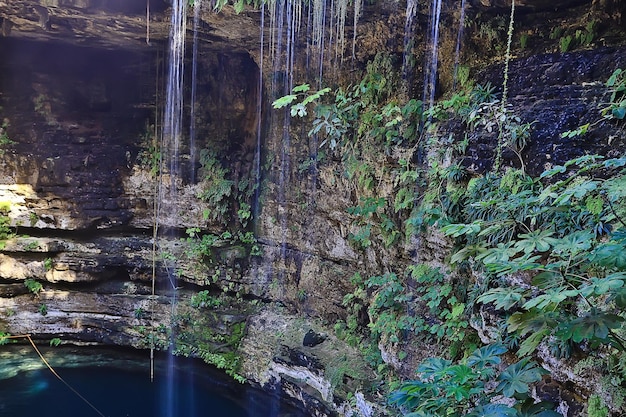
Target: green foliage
(43,309)
(48,263)
(32,246)
(33,286)
(465,388)
(204,299)
(596,407)
(388,309)
(150,156)
(139,313)
(6,231)
(299,109)
(371,220)
(4,338)
(199,335)
(54,342)
(4,136)
(567,236)
(238,5)
(564,43)
(447,316)
(218,187)
(617,105)
(555,32)
(523,40)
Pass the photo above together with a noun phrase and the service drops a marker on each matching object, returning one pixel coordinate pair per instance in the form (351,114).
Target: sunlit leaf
(503,298)
(283,101)
(552,297)
(302,88)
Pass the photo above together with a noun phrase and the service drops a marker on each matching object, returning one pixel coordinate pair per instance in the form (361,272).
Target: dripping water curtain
(155,213)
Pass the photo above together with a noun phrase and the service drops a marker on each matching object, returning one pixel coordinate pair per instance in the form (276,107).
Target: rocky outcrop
(82,92)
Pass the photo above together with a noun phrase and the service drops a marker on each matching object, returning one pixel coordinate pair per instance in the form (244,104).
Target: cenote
(329,208)
(114,383)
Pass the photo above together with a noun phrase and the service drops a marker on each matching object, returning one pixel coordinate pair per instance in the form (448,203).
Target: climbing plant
(468,387)
(565,237)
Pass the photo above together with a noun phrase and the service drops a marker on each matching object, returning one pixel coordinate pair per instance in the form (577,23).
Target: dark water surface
(122,388)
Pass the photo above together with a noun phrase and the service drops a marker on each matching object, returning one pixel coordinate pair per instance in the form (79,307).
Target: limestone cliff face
(82,90)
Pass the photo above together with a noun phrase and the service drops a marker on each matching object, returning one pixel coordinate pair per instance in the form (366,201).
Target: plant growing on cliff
(43,309)
(617,104)
(566,237)
(150,156)
(4,136)
(33,286)
(467,388)
(6,230)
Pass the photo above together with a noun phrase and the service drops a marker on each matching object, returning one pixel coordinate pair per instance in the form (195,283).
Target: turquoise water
(128,392)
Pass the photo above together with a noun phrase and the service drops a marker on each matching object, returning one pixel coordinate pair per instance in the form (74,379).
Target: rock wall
(82,94)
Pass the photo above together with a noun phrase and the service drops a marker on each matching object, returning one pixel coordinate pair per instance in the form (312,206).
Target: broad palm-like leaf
(593,326)
(503,298)
(486,357)
(516,378)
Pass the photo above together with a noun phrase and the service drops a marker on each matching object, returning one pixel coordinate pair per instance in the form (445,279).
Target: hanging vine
(498,156)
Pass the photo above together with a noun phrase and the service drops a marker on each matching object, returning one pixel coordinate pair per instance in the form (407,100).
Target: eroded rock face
(115,24)
(82,87)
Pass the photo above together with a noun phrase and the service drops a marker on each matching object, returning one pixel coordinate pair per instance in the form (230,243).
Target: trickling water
(170,151)
(194,72)
(357,14)
(459,41)
(409,35)
(173,115)
(430,68)
(259,117)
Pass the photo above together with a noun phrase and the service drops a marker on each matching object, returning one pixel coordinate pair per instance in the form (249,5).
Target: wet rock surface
(82,92)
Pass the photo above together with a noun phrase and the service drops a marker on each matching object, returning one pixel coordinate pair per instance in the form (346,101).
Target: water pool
(118,385)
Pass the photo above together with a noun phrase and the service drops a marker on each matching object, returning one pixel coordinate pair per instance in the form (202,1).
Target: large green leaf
(601,286)
(573,243)
(433,367)
(537,240)
(536,324)
(461,374)
(284,101)
(528,345)
(503,298)
(610,255)
(469,251)
(516,378)
(486,356)
(501,253)
(547,279)
(493,410)
(552,297)
(460,229)
(619,112)
(594,326)
(578,189)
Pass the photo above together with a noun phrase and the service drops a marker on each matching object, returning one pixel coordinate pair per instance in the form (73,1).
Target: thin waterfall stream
(431,65)
(170,175)
(459,42)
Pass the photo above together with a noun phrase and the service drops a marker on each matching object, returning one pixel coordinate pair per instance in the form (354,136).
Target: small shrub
(48,263)
(33,286)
